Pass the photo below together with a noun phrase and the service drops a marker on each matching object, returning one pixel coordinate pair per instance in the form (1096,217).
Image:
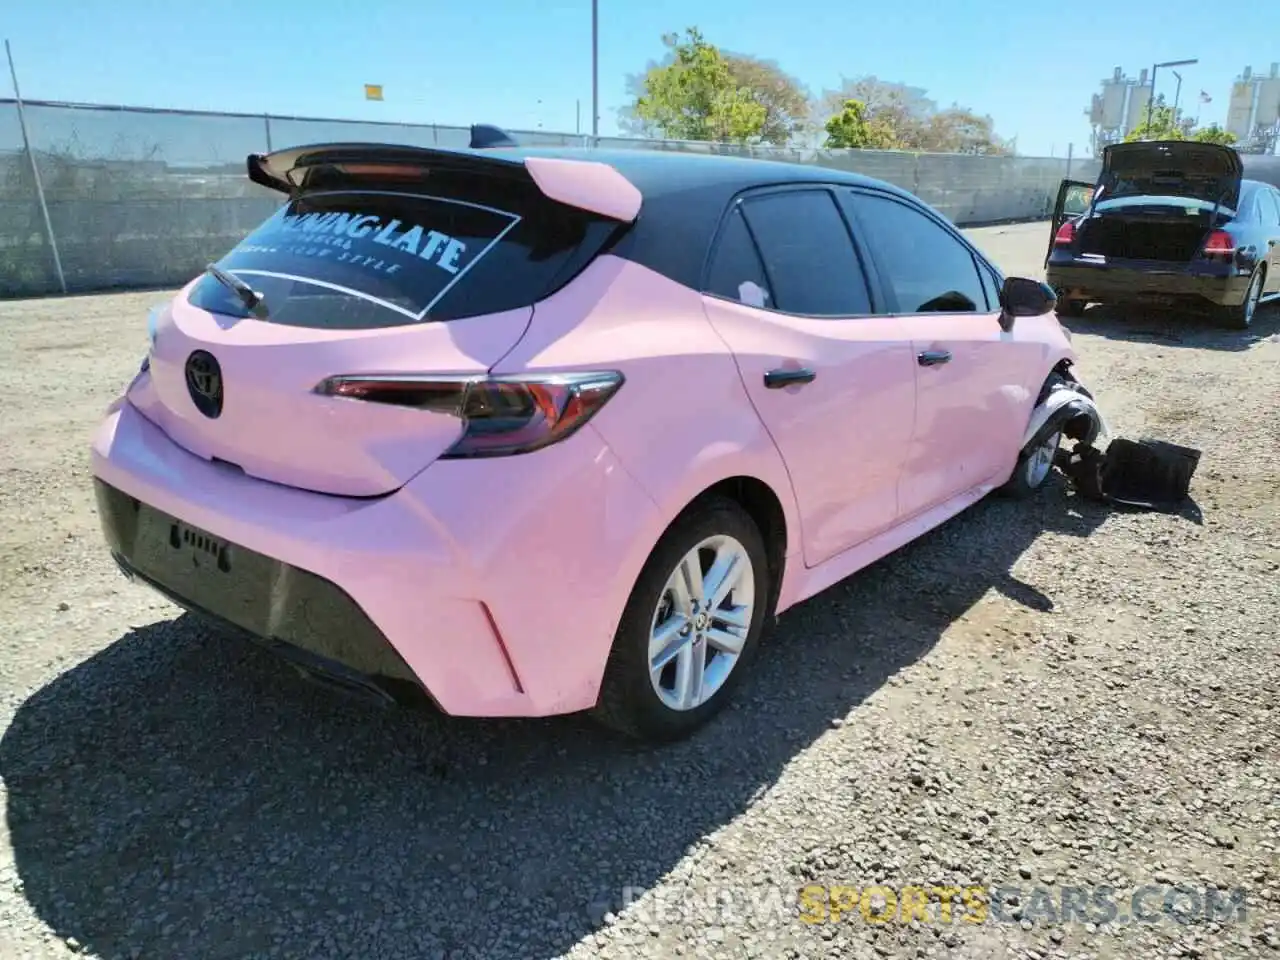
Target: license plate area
(200,550)
(205,572)
(180,555)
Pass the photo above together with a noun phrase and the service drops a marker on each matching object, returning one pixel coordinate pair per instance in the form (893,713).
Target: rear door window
(927,269)
(808,255)
(736,271)
(360,258)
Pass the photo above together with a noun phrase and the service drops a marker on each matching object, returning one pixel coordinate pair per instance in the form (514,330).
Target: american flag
(1204,97)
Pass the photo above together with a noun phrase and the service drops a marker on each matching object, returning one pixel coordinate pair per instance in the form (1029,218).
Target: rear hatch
(386,264)
(1160,200)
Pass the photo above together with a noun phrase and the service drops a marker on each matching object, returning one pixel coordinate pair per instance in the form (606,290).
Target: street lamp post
(1151,101)
(595,73)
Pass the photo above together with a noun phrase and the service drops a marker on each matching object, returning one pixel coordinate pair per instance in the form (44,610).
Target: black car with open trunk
(1168,222)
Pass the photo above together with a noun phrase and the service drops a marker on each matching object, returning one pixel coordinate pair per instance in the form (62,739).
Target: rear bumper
(265,598)
(496,605)
(1219,285)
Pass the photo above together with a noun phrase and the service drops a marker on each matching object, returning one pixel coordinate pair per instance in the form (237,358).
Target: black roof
(656,172)
(685,195)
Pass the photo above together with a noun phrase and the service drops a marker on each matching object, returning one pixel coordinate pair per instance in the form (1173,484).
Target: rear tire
(702,649)
(1240,317)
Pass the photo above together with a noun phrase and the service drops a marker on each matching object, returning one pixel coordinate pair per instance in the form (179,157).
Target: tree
(959,130)
(852,128)
(1168,124)
(1214,134)
(1160,124)
(785,100)
(696,95)
(914,119)
(902,109)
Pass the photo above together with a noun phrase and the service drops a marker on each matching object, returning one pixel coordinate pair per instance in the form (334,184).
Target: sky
(526,64)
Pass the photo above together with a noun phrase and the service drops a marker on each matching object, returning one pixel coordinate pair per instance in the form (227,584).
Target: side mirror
(1020,297)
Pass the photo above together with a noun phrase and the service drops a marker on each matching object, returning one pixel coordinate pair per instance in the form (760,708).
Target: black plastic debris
(1148,474)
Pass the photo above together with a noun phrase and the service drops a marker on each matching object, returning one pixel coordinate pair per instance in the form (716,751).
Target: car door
(1269,207)
(831,381)
(1074,197)
(971,398)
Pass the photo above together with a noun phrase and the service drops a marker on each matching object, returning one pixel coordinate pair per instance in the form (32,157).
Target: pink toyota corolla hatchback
(543,431)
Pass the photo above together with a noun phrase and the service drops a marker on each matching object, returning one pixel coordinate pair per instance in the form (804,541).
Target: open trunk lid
(385,262)
(1209,172)
(1160,200)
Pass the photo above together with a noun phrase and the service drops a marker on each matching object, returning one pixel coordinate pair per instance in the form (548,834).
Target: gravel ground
(1045,696)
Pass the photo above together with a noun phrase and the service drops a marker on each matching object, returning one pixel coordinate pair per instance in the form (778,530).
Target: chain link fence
(145,198)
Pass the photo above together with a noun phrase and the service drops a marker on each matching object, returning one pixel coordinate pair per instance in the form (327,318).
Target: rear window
(359,257)
(1160,205)
(1208,190)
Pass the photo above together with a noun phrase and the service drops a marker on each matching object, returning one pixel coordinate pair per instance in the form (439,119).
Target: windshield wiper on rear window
(252,300)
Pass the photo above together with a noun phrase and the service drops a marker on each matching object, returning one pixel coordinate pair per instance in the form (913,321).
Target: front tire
(691,627)
(1035,464)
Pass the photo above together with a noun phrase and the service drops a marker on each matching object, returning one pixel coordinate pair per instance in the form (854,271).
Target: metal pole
(1071,149)
(1151,100)
(35,170)
(595,73)
(266,125)
(577,117)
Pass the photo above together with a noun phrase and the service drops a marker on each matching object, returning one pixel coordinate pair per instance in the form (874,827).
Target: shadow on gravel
(181,795)
(1175,328)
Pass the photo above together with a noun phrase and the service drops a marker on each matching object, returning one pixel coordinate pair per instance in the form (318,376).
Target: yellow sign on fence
(373,91)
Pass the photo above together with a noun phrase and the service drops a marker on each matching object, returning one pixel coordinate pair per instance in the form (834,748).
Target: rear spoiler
(585,184)
(484,137)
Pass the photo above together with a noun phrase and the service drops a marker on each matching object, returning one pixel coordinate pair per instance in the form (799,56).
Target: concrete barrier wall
(146,198)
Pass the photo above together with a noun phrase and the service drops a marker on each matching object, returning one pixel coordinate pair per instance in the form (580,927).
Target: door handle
(777,379)
(932,358)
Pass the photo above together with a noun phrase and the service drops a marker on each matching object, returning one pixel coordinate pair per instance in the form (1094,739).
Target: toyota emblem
(204,383)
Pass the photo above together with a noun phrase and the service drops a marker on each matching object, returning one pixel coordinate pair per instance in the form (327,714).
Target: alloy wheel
(701,623)
(1040,460)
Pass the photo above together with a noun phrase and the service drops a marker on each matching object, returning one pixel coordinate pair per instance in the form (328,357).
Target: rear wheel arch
(762,503)
(761,500)
(764,506)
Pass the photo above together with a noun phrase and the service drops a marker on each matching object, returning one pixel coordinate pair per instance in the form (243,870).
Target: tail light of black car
(1066,235)
(1219,245)
(501,416)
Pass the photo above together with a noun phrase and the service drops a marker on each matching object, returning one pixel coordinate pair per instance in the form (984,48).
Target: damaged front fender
(1066,407)
(1150,474)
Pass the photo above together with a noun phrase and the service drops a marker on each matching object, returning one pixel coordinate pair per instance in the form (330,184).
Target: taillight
(501,415)
(1219,244)
(1065,235)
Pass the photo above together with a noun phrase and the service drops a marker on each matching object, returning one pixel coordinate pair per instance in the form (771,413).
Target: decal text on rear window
(401,251)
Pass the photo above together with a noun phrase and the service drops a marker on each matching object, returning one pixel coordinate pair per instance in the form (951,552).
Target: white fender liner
(1065,406)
